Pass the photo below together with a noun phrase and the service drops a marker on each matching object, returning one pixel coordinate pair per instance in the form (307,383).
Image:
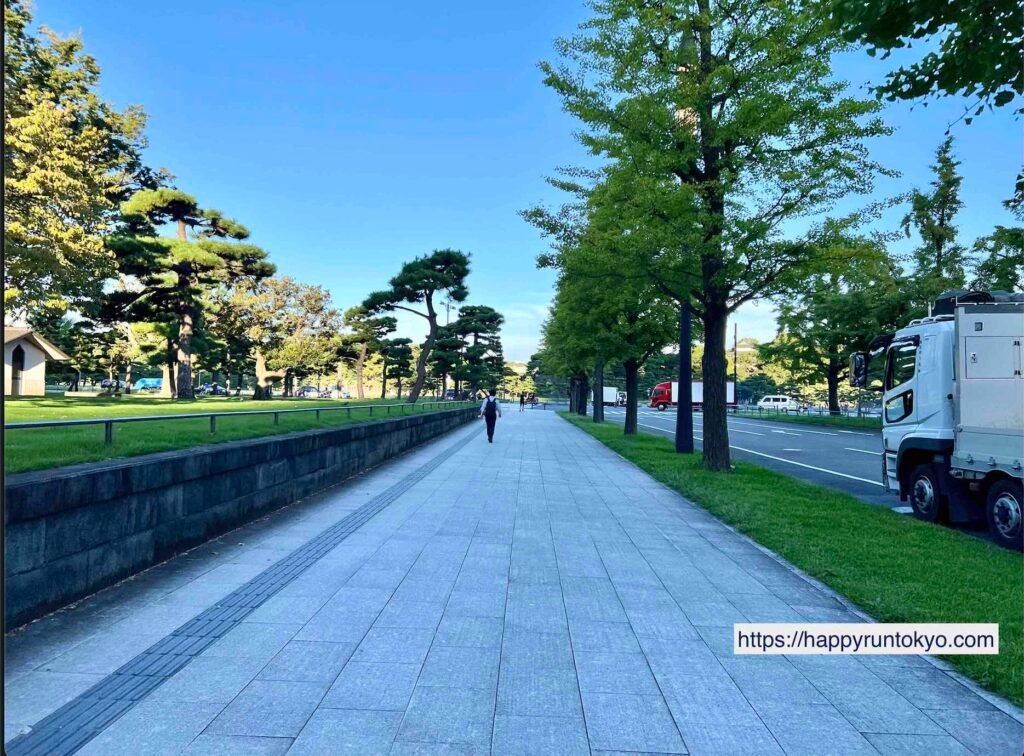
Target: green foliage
(397,354)
(69,158)
(838,312)
(719,134)
(979,46)
(441,273)
(175,276)
(940,260)
(1001,260)
(481,362)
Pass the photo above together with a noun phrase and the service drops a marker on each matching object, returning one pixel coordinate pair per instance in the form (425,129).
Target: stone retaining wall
(74,530)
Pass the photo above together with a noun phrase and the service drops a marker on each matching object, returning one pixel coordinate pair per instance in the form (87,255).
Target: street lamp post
(684,407)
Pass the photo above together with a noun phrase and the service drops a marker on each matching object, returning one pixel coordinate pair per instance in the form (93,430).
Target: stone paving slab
(538,595)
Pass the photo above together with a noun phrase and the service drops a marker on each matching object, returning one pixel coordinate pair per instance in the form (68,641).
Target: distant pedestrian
(490,411)
(522,401)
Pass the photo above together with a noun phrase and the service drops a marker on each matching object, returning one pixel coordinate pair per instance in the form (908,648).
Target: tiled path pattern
(538,595)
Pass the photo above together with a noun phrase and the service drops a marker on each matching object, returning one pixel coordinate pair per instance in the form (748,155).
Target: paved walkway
(538,595)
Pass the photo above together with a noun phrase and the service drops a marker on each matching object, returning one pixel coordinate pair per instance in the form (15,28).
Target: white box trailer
(611,395)
(661,398)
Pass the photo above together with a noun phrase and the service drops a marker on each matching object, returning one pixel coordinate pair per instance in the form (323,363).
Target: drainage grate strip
(77,722)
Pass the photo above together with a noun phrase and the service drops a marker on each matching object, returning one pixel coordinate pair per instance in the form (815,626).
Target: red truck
(667,394)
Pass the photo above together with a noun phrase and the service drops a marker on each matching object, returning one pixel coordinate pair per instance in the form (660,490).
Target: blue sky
(350,137)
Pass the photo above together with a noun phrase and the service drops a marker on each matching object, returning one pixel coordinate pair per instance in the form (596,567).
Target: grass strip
(894,567)
(834,421)
(42,448)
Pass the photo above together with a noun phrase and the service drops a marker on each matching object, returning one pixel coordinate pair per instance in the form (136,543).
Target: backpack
(491,408)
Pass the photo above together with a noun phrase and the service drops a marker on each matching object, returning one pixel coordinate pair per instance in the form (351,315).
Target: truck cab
(953,411)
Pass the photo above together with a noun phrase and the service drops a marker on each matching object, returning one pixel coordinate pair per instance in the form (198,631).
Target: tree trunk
(599,391)
(584,389)
(360,362)
(262,390)
(185,329)
(684,404)
(572,394)
(833,385)
(632,398)
(128,379)
(716,431)
(421,362)
(170,370)
(399,388)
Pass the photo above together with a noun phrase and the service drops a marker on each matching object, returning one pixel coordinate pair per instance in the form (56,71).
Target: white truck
(610,396)
(662,396)
(953,411)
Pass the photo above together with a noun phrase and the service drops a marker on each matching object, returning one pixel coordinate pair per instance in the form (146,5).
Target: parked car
(779,403)
(113,384)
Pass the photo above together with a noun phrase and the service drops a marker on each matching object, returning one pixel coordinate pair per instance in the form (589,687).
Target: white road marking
(785,433)
(810,467)
(792,450)
(862,451)
(772,456)
(856,433)
(903,510)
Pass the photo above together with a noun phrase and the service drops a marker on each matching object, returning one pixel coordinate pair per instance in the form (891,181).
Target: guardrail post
(318,417)
(213,423)
(371,410)
(275,418)
(348,412)
(108,433)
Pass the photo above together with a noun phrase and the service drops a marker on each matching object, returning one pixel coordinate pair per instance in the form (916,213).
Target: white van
(780,404)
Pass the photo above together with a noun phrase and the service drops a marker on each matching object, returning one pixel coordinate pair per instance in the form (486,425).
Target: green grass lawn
(838,421)
(40,448)
(894,567)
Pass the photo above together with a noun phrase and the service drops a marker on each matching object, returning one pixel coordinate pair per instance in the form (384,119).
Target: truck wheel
(1004,514)
(661,408)
(928,503)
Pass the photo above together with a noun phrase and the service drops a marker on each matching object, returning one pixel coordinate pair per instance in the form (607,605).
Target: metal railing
(867,417)
(108,422)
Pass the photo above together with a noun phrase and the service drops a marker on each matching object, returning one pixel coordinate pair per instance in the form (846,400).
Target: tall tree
(366,334)
(838,312)
(174,273)
(447,355)
(441,273)
(724,123)
(481,365)
(397,356)
(69,157)
(940,260)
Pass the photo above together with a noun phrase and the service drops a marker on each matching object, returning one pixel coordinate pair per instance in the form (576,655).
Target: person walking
(490,411)
(522,401)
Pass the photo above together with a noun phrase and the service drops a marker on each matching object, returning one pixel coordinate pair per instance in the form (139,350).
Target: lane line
(862,451)
(772,456)
(785,433)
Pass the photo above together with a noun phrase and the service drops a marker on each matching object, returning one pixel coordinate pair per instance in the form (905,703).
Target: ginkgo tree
(723,125)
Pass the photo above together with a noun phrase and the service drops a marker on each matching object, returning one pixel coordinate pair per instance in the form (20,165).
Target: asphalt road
(849,460)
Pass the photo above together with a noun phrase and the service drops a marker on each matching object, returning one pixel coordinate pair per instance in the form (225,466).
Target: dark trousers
(490,421)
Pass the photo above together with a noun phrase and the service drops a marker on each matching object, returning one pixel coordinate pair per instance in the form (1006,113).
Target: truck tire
(1004,509)
(928,503)
(661,407)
